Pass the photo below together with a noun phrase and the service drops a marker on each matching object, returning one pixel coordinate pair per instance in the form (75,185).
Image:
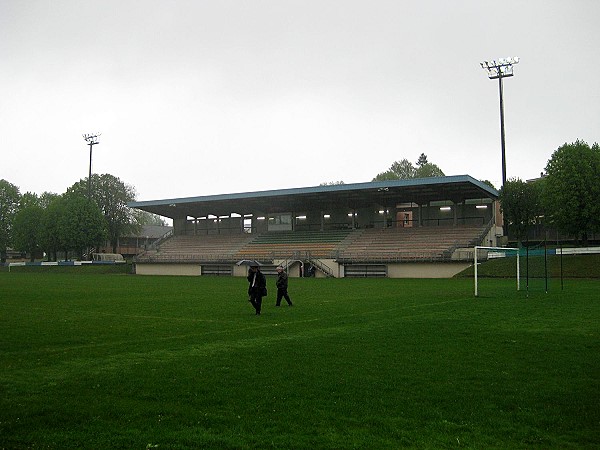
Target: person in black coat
(257,287)
(282,287)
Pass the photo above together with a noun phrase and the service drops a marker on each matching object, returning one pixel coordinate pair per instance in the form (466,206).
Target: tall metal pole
(546,260)
(90,174)
(502,138)
(501,69)
(91,139)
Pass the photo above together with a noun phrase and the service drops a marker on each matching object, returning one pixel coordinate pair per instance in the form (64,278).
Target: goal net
(485,253)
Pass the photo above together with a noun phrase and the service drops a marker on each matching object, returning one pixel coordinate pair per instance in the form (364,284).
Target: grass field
(570,266)
(121,361)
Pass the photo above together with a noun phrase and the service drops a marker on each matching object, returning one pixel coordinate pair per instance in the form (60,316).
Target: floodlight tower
(91,139)
(500,69)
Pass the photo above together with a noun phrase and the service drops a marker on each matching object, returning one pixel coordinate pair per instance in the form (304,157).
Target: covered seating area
(332,228)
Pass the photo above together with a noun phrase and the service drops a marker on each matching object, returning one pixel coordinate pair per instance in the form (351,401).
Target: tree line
(404,169)
(566,197)
(71,223)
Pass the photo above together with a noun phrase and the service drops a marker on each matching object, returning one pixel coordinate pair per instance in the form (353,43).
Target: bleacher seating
(415,243)
(294,244)
(219,247)
(372,245)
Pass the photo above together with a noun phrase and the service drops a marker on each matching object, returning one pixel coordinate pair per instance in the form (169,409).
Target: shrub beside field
(86,269)
(572,266)
(116,361)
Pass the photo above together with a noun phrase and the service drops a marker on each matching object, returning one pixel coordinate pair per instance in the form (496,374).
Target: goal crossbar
(499,249)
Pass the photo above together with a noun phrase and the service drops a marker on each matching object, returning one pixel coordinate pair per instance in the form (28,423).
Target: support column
(455,209)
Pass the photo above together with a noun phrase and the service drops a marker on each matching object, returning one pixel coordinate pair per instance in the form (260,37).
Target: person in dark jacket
(257,287)
(282,286)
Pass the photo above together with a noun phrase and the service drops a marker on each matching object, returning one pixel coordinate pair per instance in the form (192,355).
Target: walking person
(257,287)
(282,286)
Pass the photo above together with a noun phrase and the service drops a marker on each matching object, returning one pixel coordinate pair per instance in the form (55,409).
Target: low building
(130,246)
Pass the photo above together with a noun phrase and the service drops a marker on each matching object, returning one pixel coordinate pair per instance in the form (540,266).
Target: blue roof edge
(324,188)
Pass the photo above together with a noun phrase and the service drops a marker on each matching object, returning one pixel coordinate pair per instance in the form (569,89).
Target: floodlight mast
(91,139)
(500,69)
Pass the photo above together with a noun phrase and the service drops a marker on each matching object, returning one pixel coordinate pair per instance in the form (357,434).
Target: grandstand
(410,244)
(396,228)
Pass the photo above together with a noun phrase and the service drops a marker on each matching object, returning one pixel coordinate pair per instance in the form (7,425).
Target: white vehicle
(115,257)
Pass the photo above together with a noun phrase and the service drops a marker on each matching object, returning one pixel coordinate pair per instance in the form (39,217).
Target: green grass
(118,361)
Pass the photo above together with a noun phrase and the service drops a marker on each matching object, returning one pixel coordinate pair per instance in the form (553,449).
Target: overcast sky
(207,97)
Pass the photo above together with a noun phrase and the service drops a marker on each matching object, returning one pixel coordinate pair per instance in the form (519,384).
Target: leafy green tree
(146,218)
(27,230)
(422,160)
(572,189)
(404,169)
(520,204)
(428,170)
(81,225)
(29,199)
(9,203)
(489,183)
(386,176)
(112,196)
(399,170)
(46,198)
(52,239)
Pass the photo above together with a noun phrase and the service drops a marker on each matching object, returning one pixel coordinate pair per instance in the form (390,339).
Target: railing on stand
(321,266)
(467,255)
(302,257)
(155,245)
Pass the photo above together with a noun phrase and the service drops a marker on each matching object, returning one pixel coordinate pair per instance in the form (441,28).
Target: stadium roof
(324,198)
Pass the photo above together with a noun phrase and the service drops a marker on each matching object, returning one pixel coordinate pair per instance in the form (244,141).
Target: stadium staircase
(320,265)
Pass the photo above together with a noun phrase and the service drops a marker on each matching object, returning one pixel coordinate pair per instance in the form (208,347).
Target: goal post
(497,249)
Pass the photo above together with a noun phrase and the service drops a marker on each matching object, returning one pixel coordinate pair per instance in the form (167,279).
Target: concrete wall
(426,270)
(240,271)
(404,270)
(168,269)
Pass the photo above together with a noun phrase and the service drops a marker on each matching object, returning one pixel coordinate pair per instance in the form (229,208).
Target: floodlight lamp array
(91,138)
(501,68)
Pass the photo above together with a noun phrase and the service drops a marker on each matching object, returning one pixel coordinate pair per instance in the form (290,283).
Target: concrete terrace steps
(364,245)
(279,237)
(410,243)
(201,247)
(300,244)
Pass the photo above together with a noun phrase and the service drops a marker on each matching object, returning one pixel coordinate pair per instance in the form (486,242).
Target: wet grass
(121,361)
